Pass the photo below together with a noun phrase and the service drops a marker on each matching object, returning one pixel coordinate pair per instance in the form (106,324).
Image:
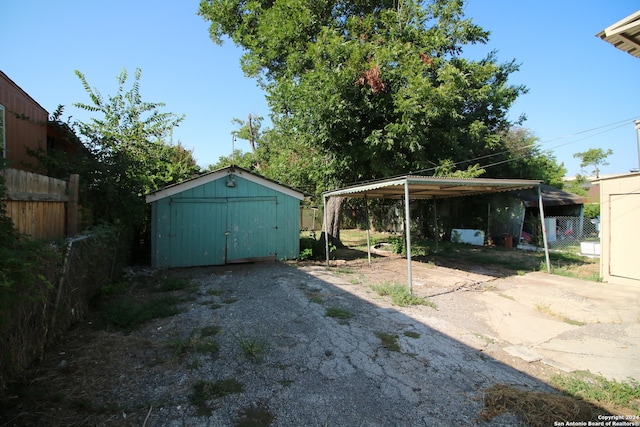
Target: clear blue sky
(583,93)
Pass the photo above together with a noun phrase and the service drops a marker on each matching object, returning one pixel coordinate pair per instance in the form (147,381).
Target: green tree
(239,158)
(131,154)
(522,158)
(594,157)
(361,90)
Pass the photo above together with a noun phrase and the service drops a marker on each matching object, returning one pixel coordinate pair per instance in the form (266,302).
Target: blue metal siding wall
(188,228)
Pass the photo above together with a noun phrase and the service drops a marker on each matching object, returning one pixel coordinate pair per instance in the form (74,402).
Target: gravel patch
(254,345)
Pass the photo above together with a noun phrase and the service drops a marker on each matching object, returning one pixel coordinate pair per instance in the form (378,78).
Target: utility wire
(617,125)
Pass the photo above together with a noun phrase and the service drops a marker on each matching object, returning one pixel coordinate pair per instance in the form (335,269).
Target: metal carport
(424,187)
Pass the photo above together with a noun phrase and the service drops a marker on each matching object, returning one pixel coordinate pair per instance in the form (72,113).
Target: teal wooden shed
(226,216)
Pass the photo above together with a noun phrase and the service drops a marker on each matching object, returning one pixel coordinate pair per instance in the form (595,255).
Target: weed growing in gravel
(315,297)
(355,281)
(174,284)
(214,292)
(196,343)
(344,270)
(388,341)
(206,390)
(254,416)
(400,295)
(209,331)
(411,334)
(253,348)
(338,313)
(127,315)
(314,294)
(506,296)
(546,309)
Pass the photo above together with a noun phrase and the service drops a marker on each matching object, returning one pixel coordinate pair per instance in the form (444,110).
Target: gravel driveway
(296,347)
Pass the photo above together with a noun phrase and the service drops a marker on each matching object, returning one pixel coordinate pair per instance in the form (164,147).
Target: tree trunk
(331,227)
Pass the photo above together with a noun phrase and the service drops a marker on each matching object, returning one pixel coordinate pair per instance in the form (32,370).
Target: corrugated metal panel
(425,187)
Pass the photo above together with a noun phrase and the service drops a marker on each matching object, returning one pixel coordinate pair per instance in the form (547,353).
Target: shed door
(198,232)
(251,229)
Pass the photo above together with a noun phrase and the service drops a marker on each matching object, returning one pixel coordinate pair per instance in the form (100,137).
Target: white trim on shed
(217,174)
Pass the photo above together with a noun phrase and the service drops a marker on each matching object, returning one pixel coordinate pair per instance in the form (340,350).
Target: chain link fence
(573,234)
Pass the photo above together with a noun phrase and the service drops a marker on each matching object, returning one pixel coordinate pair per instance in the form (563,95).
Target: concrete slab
(571,324)
(524,353)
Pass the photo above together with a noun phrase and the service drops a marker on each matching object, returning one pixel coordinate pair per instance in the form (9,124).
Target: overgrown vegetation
(23,263)
(127,314)
(443,253)
(536,409)
(611,394)
(586,397)
(400,295)
(312,248)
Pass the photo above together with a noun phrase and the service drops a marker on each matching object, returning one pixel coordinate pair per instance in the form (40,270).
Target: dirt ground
(285,344)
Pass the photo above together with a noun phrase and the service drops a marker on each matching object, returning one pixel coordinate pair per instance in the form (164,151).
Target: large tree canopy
(367,89)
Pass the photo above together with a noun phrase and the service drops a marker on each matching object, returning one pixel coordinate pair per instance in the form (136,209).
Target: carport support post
(544,231)
(366,205)
(407,233)
(324,228)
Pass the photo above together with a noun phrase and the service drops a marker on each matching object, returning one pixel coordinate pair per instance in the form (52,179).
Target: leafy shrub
(397,244)
(312,249)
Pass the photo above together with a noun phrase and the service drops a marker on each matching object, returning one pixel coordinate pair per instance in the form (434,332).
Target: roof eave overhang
(624,34)
(174,189)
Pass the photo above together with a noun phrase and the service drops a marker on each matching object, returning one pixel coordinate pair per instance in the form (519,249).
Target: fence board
(37,204)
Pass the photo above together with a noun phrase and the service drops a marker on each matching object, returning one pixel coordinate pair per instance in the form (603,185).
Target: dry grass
(536,409)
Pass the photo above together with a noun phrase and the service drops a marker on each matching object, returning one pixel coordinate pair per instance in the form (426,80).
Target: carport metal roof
(410,187)
(429,187)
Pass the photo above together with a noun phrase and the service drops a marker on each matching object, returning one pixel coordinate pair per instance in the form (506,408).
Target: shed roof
(429,187)
(551,196)
(220,173)
(624,34)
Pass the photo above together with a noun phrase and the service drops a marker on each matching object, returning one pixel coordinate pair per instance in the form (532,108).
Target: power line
(617,125)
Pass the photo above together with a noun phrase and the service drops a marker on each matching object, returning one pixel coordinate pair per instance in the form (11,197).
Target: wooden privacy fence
(41,207)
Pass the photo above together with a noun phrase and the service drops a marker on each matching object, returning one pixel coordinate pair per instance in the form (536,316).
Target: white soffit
(624,34)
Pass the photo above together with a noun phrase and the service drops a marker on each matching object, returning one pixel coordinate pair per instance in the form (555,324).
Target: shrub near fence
(31,315)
